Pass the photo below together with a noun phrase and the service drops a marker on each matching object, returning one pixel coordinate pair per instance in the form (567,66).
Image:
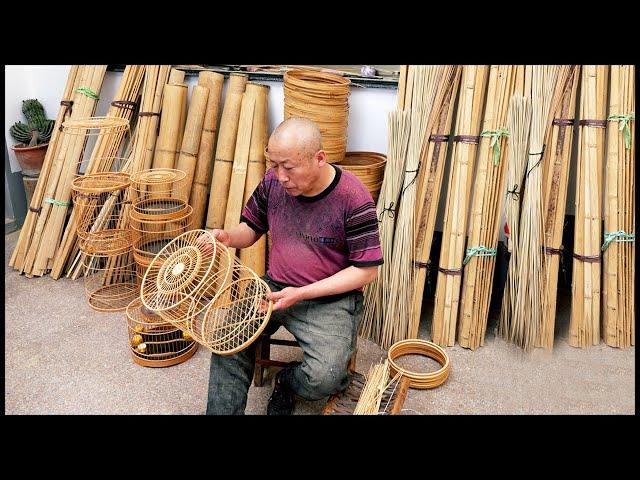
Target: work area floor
(62,357)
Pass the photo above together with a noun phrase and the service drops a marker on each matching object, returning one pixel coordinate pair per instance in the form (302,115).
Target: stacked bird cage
(99,194)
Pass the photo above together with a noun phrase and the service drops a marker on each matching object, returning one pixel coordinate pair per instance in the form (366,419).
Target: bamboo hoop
(420,380)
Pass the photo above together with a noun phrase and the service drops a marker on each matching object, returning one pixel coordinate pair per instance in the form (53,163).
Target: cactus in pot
(37,130)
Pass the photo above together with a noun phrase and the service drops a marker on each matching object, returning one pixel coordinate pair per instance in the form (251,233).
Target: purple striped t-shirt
(315,237)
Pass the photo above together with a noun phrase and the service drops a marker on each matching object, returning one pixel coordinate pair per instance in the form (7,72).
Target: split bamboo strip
(254,256)
(170,126)
(202,177)
(584,327)
(398,129)
(430,84)
(27,230)
(486,209)
(619,222)
(375,385)
(555,182)
(402,86)
(225,150)
(468,120)
(429,186)
(48,229)
(192,133)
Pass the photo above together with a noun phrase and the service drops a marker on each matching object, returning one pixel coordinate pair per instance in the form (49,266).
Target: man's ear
(321,155)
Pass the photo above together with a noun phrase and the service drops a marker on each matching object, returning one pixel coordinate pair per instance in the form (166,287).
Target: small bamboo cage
(155,342)
(110,281)
(368,167)
(195,284)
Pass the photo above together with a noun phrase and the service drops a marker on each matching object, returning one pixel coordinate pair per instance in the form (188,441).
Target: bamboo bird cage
(110,281)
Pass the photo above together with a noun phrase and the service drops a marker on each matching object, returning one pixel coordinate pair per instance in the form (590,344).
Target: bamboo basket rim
(312,78)
(102,125)
(96,183)
(420,347)
(155,176)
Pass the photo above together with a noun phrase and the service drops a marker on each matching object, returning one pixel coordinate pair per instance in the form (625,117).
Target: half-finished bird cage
(196,285)
(110,281)
(155,342)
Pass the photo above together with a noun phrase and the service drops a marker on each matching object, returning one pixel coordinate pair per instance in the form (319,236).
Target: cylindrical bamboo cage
(110,281)
(368,167)
(159,193)
(195,284)
(155,342)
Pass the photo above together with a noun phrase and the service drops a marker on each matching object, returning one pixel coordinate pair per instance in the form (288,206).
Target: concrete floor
(61,357)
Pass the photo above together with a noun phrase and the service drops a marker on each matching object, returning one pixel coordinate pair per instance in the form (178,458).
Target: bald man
(325,249)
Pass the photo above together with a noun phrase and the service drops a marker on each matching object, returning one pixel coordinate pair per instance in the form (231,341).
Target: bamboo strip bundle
(171,127)
(376,383)
(486,209)
(48,229)
(240,160)
(584,327)
(202,177)
(192,133)
(468,120)
(27,230)
(619,222)
(555,181)
(398,129)
(225,150)
(430,84)
(518,125)
(402,86)
(254,257)
(429,186)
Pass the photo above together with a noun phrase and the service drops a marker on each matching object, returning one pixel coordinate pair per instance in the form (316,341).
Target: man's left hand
(284,298)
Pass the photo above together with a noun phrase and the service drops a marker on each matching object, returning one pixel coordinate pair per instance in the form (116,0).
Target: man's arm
(351,278)
(240,236)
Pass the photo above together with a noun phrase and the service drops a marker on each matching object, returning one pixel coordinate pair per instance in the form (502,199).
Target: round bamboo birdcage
(99,200)
(110,281)
(368,167)
(155,342)
(323,98)
(425,348)
(159,194)
(197,286)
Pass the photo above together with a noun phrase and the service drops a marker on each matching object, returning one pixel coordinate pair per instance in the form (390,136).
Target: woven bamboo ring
(95,125)
(420,347)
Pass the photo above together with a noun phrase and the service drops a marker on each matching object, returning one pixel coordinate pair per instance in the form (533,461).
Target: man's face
(296,171)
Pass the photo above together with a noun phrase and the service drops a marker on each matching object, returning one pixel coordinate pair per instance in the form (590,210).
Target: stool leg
(352,362)
(258,373)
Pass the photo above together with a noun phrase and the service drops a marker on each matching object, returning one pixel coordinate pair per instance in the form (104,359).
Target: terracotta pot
(30,158)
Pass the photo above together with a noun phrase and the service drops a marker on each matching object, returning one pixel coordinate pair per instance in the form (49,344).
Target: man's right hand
(204,240)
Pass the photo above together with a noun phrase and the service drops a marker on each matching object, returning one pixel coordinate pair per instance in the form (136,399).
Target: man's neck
(327,175)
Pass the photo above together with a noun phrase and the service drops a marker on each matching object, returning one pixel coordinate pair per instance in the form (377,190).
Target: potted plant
(33,137)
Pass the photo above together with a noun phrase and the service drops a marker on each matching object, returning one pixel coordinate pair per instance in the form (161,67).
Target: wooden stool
(263,357)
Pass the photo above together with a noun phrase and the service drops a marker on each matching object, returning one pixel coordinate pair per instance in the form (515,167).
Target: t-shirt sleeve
(363,236)
(254,212)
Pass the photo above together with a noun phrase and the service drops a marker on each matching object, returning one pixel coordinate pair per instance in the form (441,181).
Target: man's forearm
(351,278)
(242,236)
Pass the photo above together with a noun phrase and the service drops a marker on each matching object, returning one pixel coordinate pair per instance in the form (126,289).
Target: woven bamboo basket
(194,284)
(159,194)
(368,167)
(110,281)
(155,342)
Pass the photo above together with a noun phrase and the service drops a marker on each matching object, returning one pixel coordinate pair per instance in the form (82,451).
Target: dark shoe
(282,398)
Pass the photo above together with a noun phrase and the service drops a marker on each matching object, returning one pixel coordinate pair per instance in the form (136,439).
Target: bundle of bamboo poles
(619,220)
(376,293)
(104,154)
(174,113)
(377,381)
(584,328)
(430,84)
(486,207)
(470,106)
(45,236)
(555,180)
(202,177)
(429,186)
(225,150)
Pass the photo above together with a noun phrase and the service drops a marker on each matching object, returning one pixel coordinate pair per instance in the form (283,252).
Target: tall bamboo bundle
(48,230)
(619,323)
(104,153)
(240,160)
(192,133)
(486,209)
(402,86)
(26,232)
(518,125)
(176,77)
(555,181)
(376,383)
(468,120)
(225,150)
(398,129)
(429,186)
(584,327)
(202,177)
(170,126)
(254,257)
(430,84)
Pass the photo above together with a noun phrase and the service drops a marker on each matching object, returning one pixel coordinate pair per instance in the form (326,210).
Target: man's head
(295,154)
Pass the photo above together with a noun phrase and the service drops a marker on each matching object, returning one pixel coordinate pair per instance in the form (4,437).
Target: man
(325,248)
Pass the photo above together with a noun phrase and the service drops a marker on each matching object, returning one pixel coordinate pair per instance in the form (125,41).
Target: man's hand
(205,244)
(285,298)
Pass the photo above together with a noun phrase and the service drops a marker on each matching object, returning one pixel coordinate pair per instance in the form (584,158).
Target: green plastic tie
(619,237)
(479,252)
(88,92)
(53,201)
(495,136)
(624,125)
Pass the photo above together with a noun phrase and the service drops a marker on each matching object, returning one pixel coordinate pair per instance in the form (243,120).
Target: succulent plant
(38,128)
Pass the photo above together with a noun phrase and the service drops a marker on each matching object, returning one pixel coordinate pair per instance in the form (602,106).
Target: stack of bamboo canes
(584,328)
(377,381)
(470,107)
(619,220)
(486,208)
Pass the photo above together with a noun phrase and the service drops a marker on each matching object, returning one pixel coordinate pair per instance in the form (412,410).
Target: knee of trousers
(326,379)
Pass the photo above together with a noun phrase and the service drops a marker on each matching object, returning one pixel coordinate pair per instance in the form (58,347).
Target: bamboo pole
(176,77)
(170,126)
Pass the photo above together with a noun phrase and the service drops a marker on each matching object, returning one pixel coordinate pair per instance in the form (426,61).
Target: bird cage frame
(110,281)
